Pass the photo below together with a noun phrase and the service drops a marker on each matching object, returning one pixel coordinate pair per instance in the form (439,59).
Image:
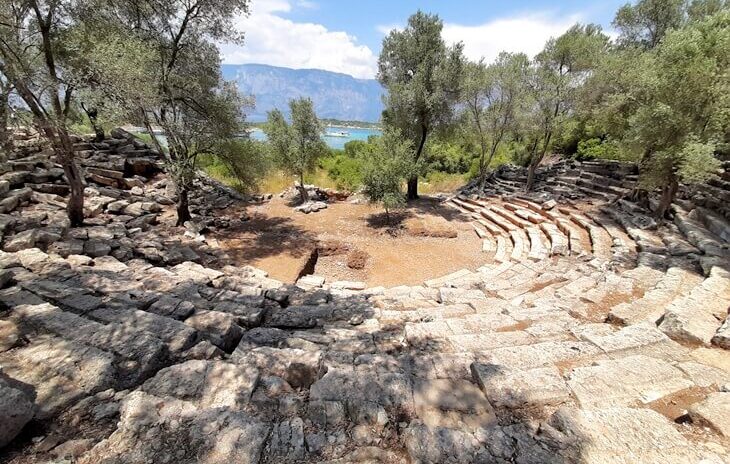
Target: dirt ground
(428,239)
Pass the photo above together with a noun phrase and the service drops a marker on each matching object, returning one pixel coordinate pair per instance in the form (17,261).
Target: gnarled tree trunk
(413,180)
(6,142)
(183,206)
(668,194)
(93,116)
(65,154)
(302,189)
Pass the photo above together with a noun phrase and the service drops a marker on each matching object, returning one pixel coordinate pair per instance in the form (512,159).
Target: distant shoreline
(337,126)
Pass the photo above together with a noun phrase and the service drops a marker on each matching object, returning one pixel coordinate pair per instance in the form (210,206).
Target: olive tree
(557,74)
(422,77)
(296,146)
(188,98)
(32,58)
(682,118)
(387,165)
(492,95)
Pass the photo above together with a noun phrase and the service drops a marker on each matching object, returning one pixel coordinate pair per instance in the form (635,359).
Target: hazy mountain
(335,95)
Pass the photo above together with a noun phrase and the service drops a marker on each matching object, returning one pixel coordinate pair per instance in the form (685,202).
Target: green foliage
(645,23)
(345,170)
(596,148)
(447,156)
(386,168)
(422,77)
(241,163)
(296,146)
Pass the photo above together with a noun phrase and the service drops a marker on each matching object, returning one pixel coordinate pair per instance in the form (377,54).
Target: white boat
(337,134)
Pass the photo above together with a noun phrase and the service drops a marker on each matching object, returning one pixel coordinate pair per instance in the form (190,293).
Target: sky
(346,36)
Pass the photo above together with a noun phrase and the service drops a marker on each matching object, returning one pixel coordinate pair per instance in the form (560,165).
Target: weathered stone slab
(625,382)
(16,410)
(61,371)
(150,427)
(207,384)
(539,354)
(143,353)
(365,392)
(688,320)
(512,388)
(624,436)
(298,367)
(451,403)
(219,327)
(178,336)
(713,411)
(449,295)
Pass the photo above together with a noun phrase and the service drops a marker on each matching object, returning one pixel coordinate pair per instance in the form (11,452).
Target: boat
(337,134)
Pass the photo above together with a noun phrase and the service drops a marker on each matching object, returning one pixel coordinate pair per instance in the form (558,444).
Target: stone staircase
(589,335)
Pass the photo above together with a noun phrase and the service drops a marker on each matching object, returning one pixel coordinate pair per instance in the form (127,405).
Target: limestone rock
(624,435)
(16,409)
(298,367)
(151,427)
(713,411)
(513,388)
(625,381)
(220,328)
(722,336)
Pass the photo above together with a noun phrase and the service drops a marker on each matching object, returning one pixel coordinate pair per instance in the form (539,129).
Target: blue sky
(345,36)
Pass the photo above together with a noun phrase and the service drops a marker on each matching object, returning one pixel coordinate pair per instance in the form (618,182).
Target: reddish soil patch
(357,259)
(675,406)
(280,241)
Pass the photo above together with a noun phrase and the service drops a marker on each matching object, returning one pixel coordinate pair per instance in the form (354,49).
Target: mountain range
(335,95)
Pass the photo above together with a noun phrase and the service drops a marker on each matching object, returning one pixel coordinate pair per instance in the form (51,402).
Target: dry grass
(277,181)
(441,182)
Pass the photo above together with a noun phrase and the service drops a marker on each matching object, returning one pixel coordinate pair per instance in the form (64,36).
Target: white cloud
(386,28)
(526,34)
(277,41)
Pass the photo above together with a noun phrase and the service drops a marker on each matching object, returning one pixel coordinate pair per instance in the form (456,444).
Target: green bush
(345,170)
(596,148)
(447,156)
(240,163)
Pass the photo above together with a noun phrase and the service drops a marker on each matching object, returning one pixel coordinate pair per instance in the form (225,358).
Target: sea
(333,142)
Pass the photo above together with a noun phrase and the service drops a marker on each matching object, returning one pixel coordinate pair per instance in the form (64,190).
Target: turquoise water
(332,142)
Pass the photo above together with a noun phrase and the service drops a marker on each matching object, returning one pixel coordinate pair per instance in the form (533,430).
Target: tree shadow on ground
(392,222)
(406,390)
(262,236)
(437,206)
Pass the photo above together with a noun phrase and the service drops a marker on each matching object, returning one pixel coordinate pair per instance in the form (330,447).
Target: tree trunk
(6,142)
(75,205)
(93,114)
(413,188)
(183,206)
(413,181)
(303,190)
(530,176)
(668,194)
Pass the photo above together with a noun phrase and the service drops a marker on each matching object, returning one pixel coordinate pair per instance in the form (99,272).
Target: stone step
(495,218)
(520,245)
(697,316)
(699,236)
(625,382)
(138,354)
(652,305)
(178,336)
(538,251)
(559,242)
(61,371)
